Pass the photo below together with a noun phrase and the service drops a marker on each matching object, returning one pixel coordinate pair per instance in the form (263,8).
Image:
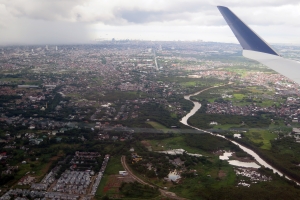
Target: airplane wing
(257,49)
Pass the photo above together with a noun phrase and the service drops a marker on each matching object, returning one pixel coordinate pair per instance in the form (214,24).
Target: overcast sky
(83,21)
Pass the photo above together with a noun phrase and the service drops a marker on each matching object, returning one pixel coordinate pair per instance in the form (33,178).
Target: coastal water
(259,160)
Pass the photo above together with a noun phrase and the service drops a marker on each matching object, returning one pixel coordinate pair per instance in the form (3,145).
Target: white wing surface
(257,49)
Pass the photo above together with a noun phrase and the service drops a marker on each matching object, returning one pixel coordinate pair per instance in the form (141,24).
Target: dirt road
(165,193)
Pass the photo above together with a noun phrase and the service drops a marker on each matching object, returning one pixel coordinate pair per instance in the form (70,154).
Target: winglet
(248,39)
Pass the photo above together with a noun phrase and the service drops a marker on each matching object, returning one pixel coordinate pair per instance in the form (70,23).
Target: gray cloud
(133,11)
(40,20)
(45,32)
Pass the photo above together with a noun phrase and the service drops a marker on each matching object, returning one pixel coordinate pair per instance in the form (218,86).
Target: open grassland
(238,96)
(99,192)
(177,142)
(260,136)
(113,167)
(227,126)
(12,79)
(37,169)
(158,126)
(193,82)
(189,84)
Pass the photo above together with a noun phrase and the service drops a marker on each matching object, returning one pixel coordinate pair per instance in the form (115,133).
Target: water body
(243,164)
(225,156)
(173,176)
(237,163)
(197,106)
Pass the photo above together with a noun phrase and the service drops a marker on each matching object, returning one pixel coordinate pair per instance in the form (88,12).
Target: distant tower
(32,51)
(47,47)
(160,47)
(56,48)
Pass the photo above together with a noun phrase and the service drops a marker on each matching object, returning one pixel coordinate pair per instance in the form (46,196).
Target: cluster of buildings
(47,180)
(250,176)
(18,193)
(222,75)
(229,108)
(86,73)
(71,185)
(73,182)
(288,110)
(66,87)
(99,176)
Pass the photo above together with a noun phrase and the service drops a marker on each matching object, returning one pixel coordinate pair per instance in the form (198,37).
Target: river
(197,106)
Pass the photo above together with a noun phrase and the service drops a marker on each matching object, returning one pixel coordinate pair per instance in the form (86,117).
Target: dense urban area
(104,121)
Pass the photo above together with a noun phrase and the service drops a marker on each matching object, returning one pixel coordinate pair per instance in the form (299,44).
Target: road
(165,193)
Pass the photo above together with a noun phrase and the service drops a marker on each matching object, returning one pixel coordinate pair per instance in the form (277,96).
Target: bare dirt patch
(221,174)
(146,143)
(114,183)
(242,159)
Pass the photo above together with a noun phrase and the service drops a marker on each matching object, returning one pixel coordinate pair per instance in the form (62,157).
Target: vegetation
(261,137)
(256,191)
(137,190)
(203,120)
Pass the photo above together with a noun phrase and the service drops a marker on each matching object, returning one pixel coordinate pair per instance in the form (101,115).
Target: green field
(268,103)
(189,84)
(261,136)
(173,143)
(37,168)
(226,126)
(158,126)
(12,79)
(238,96)
(99,192)
(113,167)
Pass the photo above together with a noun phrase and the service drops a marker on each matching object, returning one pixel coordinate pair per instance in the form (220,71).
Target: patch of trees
(157,112)
(208,142)
(5,179)
(264,190)
(158,161)
(185,104)
(7,98)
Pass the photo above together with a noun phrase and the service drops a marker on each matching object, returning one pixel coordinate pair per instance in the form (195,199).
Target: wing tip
(222,7)
(248,39)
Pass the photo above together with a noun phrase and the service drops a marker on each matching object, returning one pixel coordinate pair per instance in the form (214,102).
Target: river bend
(197,106)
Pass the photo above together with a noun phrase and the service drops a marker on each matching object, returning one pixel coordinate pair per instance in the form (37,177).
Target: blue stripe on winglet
(247,38)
